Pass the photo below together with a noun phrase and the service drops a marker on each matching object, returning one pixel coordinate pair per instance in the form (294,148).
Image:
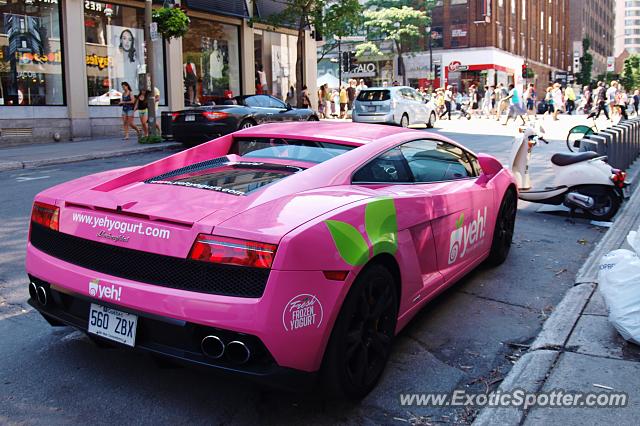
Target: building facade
(63,62)
(595,20)
(627,27)
(499,36)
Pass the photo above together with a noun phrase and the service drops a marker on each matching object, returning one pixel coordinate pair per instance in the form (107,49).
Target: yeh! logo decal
(103,292)
(464,238)
(304,310)
(381,226)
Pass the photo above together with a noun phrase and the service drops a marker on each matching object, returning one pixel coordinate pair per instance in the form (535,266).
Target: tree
(402,26)
(327,17)
(586,63)
(631,74)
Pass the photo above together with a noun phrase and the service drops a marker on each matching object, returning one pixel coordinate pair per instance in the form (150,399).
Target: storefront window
(30,53)
(114,40)
(275,55)
(211,67)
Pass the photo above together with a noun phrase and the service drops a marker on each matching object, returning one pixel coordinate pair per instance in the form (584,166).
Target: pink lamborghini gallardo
(280,252)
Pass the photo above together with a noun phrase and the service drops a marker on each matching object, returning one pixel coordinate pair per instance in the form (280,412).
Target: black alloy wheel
(503,232)
(362,337)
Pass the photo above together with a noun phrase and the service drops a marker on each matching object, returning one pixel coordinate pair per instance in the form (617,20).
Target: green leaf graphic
(350,243)
(460,221)
(381,224)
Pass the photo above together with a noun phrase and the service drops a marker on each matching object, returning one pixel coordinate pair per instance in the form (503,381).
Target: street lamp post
(150,80)
(431,76)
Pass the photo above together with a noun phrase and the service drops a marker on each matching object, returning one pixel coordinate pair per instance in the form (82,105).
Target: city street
(468,338)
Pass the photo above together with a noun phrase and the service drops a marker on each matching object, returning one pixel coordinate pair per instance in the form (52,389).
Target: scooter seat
(567,159)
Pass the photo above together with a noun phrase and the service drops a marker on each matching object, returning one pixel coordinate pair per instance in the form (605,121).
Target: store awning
(221,7)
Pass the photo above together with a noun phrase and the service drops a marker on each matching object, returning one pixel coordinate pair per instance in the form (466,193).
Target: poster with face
(126,50)
(215,64)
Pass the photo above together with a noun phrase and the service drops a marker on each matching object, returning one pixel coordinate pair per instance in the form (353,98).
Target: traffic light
(352,61)
(524,70)
(344,62)
(436,71)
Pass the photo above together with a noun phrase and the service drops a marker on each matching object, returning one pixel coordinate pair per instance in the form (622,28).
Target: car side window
(261,101)
(275,103)
(390,167)
(251,101)
(436,161)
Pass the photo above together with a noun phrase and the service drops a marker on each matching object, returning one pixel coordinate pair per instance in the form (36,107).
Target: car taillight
(233,251)
(46,215)
(618,177)
(174,116)
(214,115)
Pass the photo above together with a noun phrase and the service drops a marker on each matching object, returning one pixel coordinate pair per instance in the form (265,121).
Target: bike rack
(620,143)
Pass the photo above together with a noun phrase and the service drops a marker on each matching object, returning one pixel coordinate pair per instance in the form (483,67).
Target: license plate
(626,192)
(371,109)
(112,324)
(189,118)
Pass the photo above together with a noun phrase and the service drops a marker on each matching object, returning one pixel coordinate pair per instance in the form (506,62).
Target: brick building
(488,41)
(595,20)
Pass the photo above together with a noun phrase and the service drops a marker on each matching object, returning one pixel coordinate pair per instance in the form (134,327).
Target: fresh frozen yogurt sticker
(304,310)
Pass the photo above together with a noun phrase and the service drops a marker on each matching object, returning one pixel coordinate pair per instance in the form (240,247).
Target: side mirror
(289,107)
(489,164)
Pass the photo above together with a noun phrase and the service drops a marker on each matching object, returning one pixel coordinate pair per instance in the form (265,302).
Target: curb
(532,369)
(17,165)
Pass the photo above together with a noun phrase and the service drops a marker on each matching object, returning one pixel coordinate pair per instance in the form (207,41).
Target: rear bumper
(202,132)
(386,118)
(175,340)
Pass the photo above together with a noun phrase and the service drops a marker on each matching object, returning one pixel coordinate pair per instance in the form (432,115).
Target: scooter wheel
(607,205)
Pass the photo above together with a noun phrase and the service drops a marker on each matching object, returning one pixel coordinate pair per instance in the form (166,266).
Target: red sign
(454,65)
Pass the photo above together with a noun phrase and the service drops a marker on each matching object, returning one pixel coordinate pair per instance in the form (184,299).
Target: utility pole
(339,63)
(150,81)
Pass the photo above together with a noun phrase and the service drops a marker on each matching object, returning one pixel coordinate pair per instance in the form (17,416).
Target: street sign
(350,39)
(153,31)
(611,63)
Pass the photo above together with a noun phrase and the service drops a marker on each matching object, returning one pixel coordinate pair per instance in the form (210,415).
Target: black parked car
(201,124)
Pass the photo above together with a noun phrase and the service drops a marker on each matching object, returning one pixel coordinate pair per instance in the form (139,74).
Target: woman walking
(127,102)
(142,107)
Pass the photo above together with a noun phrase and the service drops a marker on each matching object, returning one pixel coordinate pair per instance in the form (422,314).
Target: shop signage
(458,33)
(457,66)
(364,69)
(26,58)
(98,61)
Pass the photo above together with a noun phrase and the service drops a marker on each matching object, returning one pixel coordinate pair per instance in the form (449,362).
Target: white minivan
(400,105)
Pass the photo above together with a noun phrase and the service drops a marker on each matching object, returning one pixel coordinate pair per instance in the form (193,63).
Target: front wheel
(362,336)
(503,232)
(432,121)
(404,121)
(246,124)
(313,118)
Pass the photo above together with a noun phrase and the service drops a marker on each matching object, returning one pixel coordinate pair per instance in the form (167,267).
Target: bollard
(625,141)
(592,142)
(604,142)
(616,151)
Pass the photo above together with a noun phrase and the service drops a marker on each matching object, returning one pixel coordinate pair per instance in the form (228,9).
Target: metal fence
(620,143)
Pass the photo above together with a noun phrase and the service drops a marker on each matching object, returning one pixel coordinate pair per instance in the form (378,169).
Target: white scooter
(581,181)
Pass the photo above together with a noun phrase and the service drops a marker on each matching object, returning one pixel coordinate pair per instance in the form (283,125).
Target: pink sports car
(284,251)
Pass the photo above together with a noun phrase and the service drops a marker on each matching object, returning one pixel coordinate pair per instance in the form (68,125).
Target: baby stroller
(464,109)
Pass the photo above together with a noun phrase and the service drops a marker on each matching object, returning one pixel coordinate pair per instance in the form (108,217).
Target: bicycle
(577,133)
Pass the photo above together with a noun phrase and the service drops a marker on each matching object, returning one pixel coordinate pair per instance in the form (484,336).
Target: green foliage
(631,73)
(150,139)
(586,64)
(402,25)
(172,22)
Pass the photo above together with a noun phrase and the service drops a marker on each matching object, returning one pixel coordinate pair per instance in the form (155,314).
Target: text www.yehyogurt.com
(518,398)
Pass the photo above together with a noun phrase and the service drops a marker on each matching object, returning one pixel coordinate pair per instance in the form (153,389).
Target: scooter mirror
(521,129)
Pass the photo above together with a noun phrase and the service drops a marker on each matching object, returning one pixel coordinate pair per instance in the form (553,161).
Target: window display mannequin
(216,63)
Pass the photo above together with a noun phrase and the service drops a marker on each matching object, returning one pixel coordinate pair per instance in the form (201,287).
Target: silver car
(393,105)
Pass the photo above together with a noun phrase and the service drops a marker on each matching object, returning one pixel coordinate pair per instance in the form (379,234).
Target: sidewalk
(28,156)
(578,350)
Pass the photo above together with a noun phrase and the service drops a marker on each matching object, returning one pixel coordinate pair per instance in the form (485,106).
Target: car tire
(404,121)
(246,124)
(313,118)
(503,231)
(432,120)
(362,337)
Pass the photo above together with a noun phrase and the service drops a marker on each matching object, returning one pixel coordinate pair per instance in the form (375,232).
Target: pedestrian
(344,101)
(502,99)
(327,101)
(515,107)
(127,102)
(558,100)
(360,87)
(621,101)
(448,97)
(530,99)
(600,95)
(636,102)
(321,102)
(335,98)
(570,96)
(486,101)
(305,100)
(611,94)
(142,106)
(291,96)
(351,93)
(474,101)
(439,95)
(587,102)
(156,98)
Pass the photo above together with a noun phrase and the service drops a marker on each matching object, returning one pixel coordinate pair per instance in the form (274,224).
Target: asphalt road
(467,338)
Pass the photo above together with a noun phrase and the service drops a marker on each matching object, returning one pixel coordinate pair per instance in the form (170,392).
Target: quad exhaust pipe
(236,351)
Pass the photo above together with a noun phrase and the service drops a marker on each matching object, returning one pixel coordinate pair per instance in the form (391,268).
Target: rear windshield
(234,179)
(291,149)
(374,95)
